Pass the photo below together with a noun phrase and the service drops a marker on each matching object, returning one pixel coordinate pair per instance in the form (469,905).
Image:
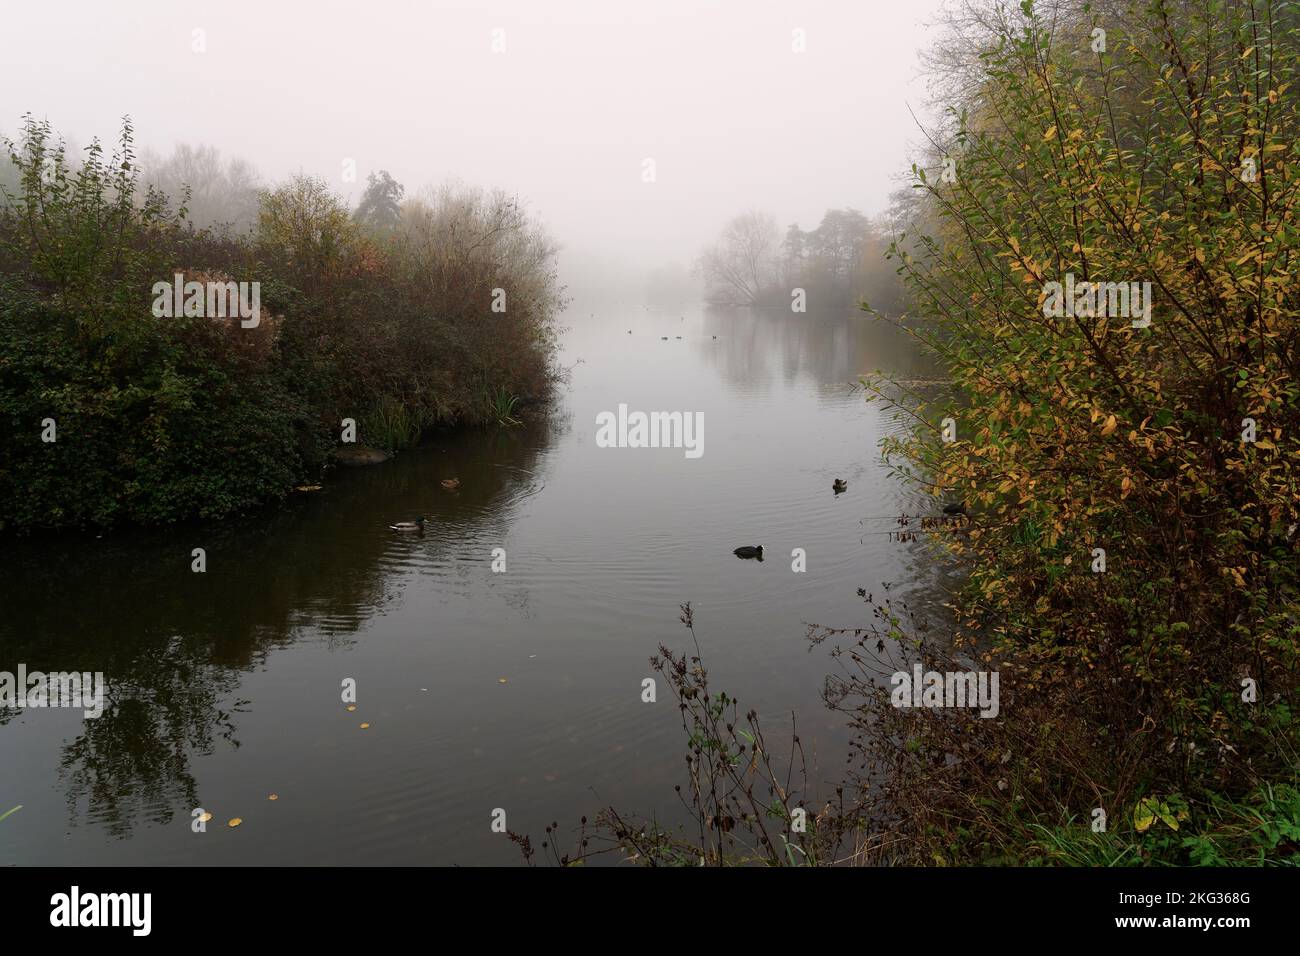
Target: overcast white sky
(584,92)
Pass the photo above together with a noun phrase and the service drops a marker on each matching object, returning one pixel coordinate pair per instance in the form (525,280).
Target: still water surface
(225,686)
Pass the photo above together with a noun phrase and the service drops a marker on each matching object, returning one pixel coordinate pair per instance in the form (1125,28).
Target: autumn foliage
(1166,675)
(161,419)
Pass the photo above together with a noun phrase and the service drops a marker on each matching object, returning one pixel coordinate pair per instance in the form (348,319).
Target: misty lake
(518,690)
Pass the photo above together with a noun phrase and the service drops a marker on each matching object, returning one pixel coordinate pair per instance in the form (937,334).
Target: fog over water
(634,133)
(582,94)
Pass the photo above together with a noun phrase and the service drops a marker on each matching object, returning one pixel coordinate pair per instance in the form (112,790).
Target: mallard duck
(416,525)
(451,484)
(839,486)
(749,552)
(956,509)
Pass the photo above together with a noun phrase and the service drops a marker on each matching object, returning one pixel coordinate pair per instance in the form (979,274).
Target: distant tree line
(840,262)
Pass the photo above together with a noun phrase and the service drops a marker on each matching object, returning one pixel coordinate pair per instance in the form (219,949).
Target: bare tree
(743,261)
(221,192)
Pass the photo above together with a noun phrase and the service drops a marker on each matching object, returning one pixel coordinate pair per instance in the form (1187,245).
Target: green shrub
(163,419)
(1168,158)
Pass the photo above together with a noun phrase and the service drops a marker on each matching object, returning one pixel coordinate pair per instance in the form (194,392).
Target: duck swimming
(416,525)
(839,486)
(749,552)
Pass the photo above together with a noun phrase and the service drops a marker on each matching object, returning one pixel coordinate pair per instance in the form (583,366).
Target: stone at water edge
(360,455)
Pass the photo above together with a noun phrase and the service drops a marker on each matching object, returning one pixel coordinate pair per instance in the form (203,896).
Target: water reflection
(225,685)
(172,643)
(763,346)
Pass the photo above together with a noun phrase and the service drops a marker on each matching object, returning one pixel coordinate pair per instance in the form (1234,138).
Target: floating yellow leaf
(351,707)
(273,796)
(204,817)
(365,726)
(501,680)
(236,821)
